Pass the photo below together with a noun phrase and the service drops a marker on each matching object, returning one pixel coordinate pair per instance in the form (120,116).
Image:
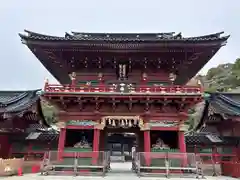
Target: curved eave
(204,117)
(21,102)
(32,37)
(210,102)
(40,113)
(56,72)
(187,72)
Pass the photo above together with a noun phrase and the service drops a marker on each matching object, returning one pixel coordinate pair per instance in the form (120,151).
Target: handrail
(111,89)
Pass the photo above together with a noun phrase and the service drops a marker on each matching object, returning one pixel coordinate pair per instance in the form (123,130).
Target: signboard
(162,124)
(82,123)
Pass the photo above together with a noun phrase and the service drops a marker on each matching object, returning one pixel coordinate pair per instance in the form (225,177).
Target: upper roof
(123,37)
(66,54)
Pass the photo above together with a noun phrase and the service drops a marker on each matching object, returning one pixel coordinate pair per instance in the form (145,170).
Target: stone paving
(121,171)
(118,177)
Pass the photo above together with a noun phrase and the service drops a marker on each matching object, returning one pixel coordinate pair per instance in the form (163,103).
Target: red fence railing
(231,169)
(111,89)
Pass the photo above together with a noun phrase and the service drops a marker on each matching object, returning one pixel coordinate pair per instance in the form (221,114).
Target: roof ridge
(122,36)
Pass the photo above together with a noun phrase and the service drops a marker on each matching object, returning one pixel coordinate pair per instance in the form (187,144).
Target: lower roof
(210,139)
(24,104)
(220,104)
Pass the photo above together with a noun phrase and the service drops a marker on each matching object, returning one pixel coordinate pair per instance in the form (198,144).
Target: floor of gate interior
(120,168)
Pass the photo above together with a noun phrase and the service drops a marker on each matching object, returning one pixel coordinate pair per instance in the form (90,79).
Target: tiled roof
(48,137)
(226,104)
(138,37)
(17,101)
(43,135)
(211,139)
(210,129)
(197,139)
(14,103)
(34,127)
(219,105)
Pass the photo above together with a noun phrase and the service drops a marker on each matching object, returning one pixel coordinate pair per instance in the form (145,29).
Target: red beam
(165,128)
(79,127)
(121,96)
(153,114)
(105,88)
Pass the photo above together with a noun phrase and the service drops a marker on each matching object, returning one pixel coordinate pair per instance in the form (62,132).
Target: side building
(20,116)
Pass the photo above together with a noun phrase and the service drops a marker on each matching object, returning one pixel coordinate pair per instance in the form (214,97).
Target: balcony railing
(54,88)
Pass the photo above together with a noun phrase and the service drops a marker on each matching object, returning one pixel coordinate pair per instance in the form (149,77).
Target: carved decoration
(155,123)
(99,126)
(73,76)
(100,76)
(144,76)
(122,121)
(61,124)
(82,122)
(183,127)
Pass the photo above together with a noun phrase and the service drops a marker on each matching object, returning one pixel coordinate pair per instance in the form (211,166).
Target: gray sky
(20,69)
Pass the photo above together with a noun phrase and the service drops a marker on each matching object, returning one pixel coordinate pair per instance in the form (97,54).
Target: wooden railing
(112,89)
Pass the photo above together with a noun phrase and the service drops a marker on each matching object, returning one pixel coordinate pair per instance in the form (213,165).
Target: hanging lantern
(135,121)
(99,63)
(124,70)
(113,122)
(172,77)
(73,75)
(122,122)
(144,76)
(100,76)
(129,123)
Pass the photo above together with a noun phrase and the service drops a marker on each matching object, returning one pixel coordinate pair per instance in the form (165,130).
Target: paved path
(119,177)
(119,171)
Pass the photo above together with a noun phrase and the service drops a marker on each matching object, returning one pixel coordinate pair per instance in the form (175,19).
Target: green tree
(49,112)
(236,65)
(213,72)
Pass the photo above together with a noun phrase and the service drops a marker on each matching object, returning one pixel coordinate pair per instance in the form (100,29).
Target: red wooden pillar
(147,147)
(182,146)
(61,142)
(214,154)
(96,139)
(181,141)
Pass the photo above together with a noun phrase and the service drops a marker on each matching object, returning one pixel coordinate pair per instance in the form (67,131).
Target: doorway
(119,142)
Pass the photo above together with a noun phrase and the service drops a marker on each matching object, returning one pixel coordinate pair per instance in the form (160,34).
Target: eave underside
(57,60)
(51,50)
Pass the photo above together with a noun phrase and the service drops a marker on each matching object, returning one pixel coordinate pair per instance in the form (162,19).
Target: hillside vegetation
(223,78)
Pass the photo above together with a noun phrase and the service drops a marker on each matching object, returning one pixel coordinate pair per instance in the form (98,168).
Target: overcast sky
(20,69)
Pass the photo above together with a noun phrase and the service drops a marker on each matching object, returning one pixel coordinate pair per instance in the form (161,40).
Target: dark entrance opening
(169,138)
(119,142)
(79,138)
